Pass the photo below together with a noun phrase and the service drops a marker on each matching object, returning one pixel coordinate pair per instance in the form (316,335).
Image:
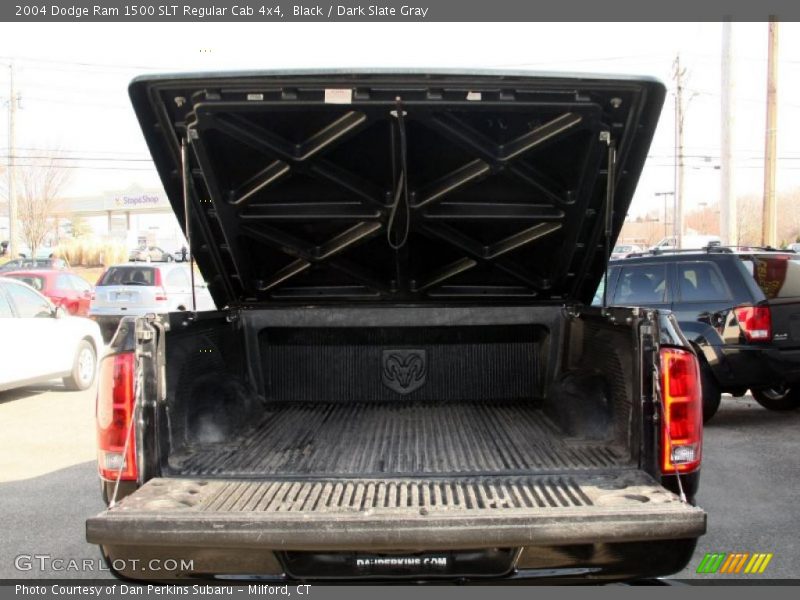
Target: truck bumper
(225,518)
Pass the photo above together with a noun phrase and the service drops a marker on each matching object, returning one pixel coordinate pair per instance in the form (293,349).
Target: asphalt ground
(48,485)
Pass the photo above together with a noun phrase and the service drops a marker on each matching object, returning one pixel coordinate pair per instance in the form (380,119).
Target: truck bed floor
(399,439)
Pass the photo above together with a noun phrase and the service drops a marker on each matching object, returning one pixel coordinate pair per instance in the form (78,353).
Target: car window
(701,281)
(35,282)
(598,294)
(777,276)
(79,284)
(28,303)
(64,282)
(128,275)
(641,285)
(178,278)
(5,307)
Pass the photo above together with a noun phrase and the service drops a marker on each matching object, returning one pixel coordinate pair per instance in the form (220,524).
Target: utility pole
(665,195)
(13,101)
(727,200)
(769,223)
(678,74)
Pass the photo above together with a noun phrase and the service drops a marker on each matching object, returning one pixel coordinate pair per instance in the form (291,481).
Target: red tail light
(162,295)
(755,322)
(682,426)
(115,399)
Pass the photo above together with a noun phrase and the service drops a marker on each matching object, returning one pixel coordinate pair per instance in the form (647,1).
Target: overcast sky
(73,80)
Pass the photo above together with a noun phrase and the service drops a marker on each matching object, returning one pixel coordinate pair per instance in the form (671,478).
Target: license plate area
(491,562)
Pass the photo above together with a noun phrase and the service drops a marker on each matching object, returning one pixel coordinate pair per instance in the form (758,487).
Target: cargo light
(682,398)
(116,448)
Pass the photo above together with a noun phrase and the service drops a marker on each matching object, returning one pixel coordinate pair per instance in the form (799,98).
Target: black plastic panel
(294,195)
(402,363)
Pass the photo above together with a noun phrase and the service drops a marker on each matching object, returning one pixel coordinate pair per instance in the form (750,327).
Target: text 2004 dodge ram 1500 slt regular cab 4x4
(406,379)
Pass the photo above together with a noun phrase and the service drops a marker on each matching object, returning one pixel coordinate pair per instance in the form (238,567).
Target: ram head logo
(404,371)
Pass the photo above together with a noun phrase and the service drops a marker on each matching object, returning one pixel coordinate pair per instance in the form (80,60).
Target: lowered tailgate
(391,514)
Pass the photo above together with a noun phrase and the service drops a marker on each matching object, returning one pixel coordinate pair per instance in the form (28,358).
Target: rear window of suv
(641,285)
(128,275)
(777,276)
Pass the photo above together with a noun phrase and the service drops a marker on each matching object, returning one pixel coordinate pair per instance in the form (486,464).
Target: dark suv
(739,308)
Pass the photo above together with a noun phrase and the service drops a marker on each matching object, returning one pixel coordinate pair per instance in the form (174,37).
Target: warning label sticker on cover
(336,96)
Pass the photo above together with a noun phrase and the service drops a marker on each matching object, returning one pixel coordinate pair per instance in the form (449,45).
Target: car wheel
(711,394)
(169,258)
(84,368)
(781,397)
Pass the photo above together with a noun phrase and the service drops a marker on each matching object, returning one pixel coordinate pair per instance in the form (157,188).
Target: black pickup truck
(407,380)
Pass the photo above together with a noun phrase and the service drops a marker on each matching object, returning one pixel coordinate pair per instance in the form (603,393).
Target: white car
(40,342)
(136,289)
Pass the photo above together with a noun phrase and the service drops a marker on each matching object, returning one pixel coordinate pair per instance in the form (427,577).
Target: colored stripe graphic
(711,562)
(734,562)
(758,563)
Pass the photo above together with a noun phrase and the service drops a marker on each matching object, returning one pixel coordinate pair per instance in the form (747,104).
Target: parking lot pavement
(48,483)
(749,486)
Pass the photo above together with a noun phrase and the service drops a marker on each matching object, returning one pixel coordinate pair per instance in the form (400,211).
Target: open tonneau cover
(399,187)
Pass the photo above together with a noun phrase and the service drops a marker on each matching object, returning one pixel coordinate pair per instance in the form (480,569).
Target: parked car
(42,252)
(371,403)
(63,288)
(739,309)
(20,264)
(150,254)
(624,250)
(138,289)
(41,342)
(794,247)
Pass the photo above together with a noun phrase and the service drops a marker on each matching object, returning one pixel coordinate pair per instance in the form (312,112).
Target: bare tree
(39,185)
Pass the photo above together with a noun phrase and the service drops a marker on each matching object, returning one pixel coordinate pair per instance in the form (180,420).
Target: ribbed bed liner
(403,439)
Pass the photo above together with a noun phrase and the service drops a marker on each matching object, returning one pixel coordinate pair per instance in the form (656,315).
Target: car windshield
(128,275)
(622,248)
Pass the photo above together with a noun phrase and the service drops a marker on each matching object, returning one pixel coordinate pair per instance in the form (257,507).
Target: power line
(79,158)
(79,63)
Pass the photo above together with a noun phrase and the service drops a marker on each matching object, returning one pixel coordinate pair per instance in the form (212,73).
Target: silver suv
(136,289)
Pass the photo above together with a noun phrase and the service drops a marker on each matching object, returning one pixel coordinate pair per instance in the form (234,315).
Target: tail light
(755,322)
(682,426)
(161,296)
(115,399)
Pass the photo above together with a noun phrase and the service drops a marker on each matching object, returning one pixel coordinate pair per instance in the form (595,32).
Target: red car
(63,288)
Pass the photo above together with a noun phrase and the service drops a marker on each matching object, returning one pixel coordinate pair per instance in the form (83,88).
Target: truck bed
(402,439)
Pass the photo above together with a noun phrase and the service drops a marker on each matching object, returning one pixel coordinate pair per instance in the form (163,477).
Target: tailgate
(391,514)
(778,276)
(785,314)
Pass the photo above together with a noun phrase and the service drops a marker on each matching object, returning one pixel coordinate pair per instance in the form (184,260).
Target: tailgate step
(477,512)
